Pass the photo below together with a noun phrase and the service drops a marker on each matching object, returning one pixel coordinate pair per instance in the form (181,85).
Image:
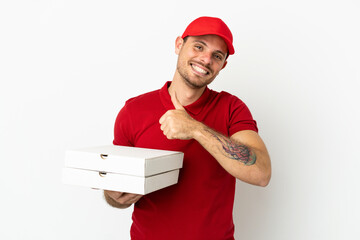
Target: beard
(192,82)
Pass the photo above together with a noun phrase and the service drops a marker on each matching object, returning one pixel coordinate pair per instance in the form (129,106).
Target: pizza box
(123,169)
(119,182)
(124,160)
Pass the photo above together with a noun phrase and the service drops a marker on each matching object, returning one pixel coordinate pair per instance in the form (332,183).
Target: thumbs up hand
(177,123)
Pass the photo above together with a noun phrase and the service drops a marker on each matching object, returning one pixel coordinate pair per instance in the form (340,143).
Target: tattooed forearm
(235,151)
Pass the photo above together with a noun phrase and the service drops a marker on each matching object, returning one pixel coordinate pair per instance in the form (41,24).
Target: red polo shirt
(200,206)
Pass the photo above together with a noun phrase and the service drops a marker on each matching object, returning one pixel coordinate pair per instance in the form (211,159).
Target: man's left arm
(243,155)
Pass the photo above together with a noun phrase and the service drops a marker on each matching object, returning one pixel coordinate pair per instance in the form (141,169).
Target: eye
(218,57)
(199,47)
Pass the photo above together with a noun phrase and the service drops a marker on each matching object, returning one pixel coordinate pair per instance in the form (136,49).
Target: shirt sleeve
(123,128)
(240,117)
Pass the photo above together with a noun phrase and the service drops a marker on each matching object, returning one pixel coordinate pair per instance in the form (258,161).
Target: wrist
(199,131)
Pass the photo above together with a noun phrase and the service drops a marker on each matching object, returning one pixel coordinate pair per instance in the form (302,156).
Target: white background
(67,67)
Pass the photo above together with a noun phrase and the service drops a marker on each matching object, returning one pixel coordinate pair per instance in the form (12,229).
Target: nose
(206,58)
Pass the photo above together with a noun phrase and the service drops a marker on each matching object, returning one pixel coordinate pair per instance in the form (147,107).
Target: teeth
(199,69)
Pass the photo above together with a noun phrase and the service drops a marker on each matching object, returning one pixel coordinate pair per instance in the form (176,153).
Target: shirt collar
(194,108)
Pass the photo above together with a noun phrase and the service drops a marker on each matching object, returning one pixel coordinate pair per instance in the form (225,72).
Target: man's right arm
(120,199)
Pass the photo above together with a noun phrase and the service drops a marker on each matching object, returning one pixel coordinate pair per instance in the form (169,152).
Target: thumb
(176,102)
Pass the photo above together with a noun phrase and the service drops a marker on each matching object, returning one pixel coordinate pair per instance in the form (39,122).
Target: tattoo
(235,151)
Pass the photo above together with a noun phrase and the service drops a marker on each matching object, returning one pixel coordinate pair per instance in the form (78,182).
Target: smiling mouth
(199,70)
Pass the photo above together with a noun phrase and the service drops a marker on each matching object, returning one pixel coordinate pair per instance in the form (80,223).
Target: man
(215,131)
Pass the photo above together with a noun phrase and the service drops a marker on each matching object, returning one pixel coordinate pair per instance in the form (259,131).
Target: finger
(162,119)
(169,134)
(137,198)
(133,199)
(129,198)
(165,126)
(113,194)
(176,102)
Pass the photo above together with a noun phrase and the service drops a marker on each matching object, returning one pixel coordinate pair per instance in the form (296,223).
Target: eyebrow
(217,51)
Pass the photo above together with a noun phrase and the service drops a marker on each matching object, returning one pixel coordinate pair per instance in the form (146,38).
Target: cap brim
(228,43)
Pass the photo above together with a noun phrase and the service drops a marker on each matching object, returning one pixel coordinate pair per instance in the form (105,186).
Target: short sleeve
(240,117)
(123,128)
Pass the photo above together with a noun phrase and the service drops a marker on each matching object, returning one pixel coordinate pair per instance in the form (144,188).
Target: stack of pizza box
(122,169)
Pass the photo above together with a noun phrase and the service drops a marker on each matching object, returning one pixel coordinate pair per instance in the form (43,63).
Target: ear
(224,65)
(178,44)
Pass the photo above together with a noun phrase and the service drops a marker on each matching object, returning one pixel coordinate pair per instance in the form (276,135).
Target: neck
(185,94)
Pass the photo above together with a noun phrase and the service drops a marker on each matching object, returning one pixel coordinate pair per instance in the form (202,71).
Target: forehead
(214,42)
